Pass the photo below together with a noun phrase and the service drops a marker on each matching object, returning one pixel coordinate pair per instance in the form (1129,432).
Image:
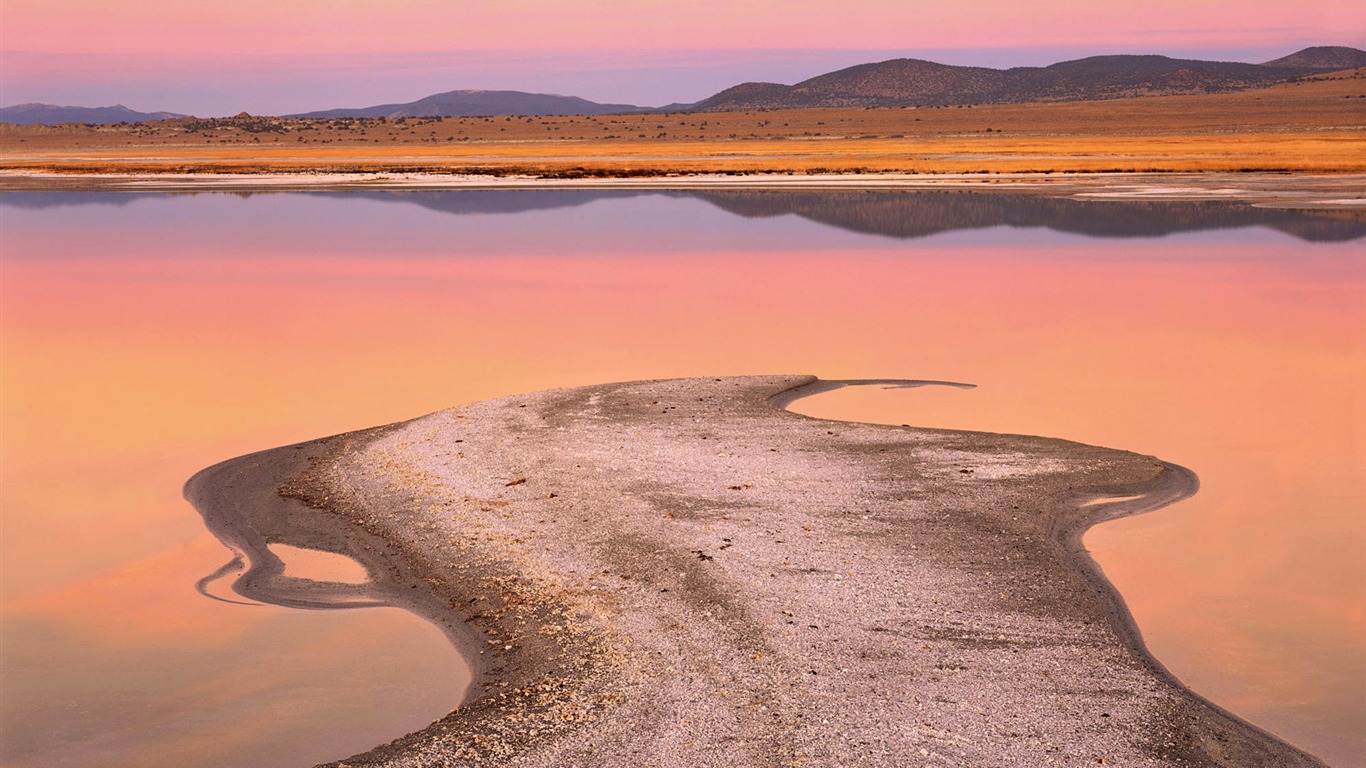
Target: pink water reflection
(132,359)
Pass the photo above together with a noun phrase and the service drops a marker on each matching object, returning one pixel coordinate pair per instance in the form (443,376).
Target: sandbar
(684,573)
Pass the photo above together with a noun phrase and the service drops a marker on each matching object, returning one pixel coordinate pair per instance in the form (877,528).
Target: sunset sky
(270,56)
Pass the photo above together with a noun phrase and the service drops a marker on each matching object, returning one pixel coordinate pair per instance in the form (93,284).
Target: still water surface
(148,336)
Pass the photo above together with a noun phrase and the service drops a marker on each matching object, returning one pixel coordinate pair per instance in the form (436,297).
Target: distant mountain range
(51,114)
(894,83)
(913,82)
(472,103)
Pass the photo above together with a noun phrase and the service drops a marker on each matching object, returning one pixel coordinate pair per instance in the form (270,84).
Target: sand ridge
(680,573)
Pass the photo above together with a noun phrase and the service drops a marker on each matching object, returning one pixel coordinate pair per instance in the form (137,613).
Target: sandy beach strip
(682,573)
(1275,190)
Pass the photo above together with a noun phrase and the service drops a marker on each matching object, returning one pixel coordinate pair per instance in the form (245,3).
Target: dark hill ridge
(52,114)
(894,83)
(1323,57)
(480,103)
(914,82)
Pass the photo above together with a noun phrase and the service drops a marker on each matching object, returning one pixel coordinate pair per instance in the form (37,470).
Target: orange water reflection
(131,360)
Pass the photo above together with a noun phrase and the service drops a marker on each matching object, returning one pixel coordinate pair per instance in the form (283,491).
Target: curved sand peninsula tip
(819,386)
(679,573)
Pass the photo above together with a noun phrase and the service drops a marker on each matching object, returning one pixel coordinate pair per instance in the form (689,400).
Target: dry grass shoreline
(1316,125)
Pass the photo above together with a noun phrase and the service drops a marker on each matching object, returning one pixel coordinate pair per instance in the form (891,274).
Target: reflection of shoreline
(258,514)
(895,213)
(651,558)
(907,215)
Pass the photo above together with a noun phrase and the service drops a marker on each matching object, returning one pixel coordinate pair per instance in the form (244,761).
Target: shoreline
(1305,190)
(1066,535)
(615,548)
(257,513)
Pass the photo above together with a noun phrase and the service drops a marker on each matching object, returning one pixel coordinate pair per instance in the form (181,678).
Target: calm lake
(147,336)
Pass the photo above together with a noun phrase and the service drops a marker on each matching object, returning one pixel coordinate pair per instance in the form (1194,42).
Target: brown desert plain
(1313,124)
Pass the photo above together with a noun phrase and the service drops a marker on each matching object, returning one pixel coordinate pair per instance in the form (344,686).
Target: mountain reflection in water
(897,214)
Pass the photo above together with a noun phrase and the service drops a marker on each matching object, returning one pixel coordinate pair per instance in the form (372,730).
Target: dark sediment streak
(681,573)
(245,503)
(820,386)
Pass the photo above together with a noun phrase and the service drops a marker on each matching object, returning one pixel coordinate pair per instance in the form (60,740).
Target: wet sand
(682,573)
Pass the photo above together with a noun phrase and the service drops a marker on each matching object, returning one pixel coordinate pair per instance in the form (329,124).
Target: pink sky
(266,54)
